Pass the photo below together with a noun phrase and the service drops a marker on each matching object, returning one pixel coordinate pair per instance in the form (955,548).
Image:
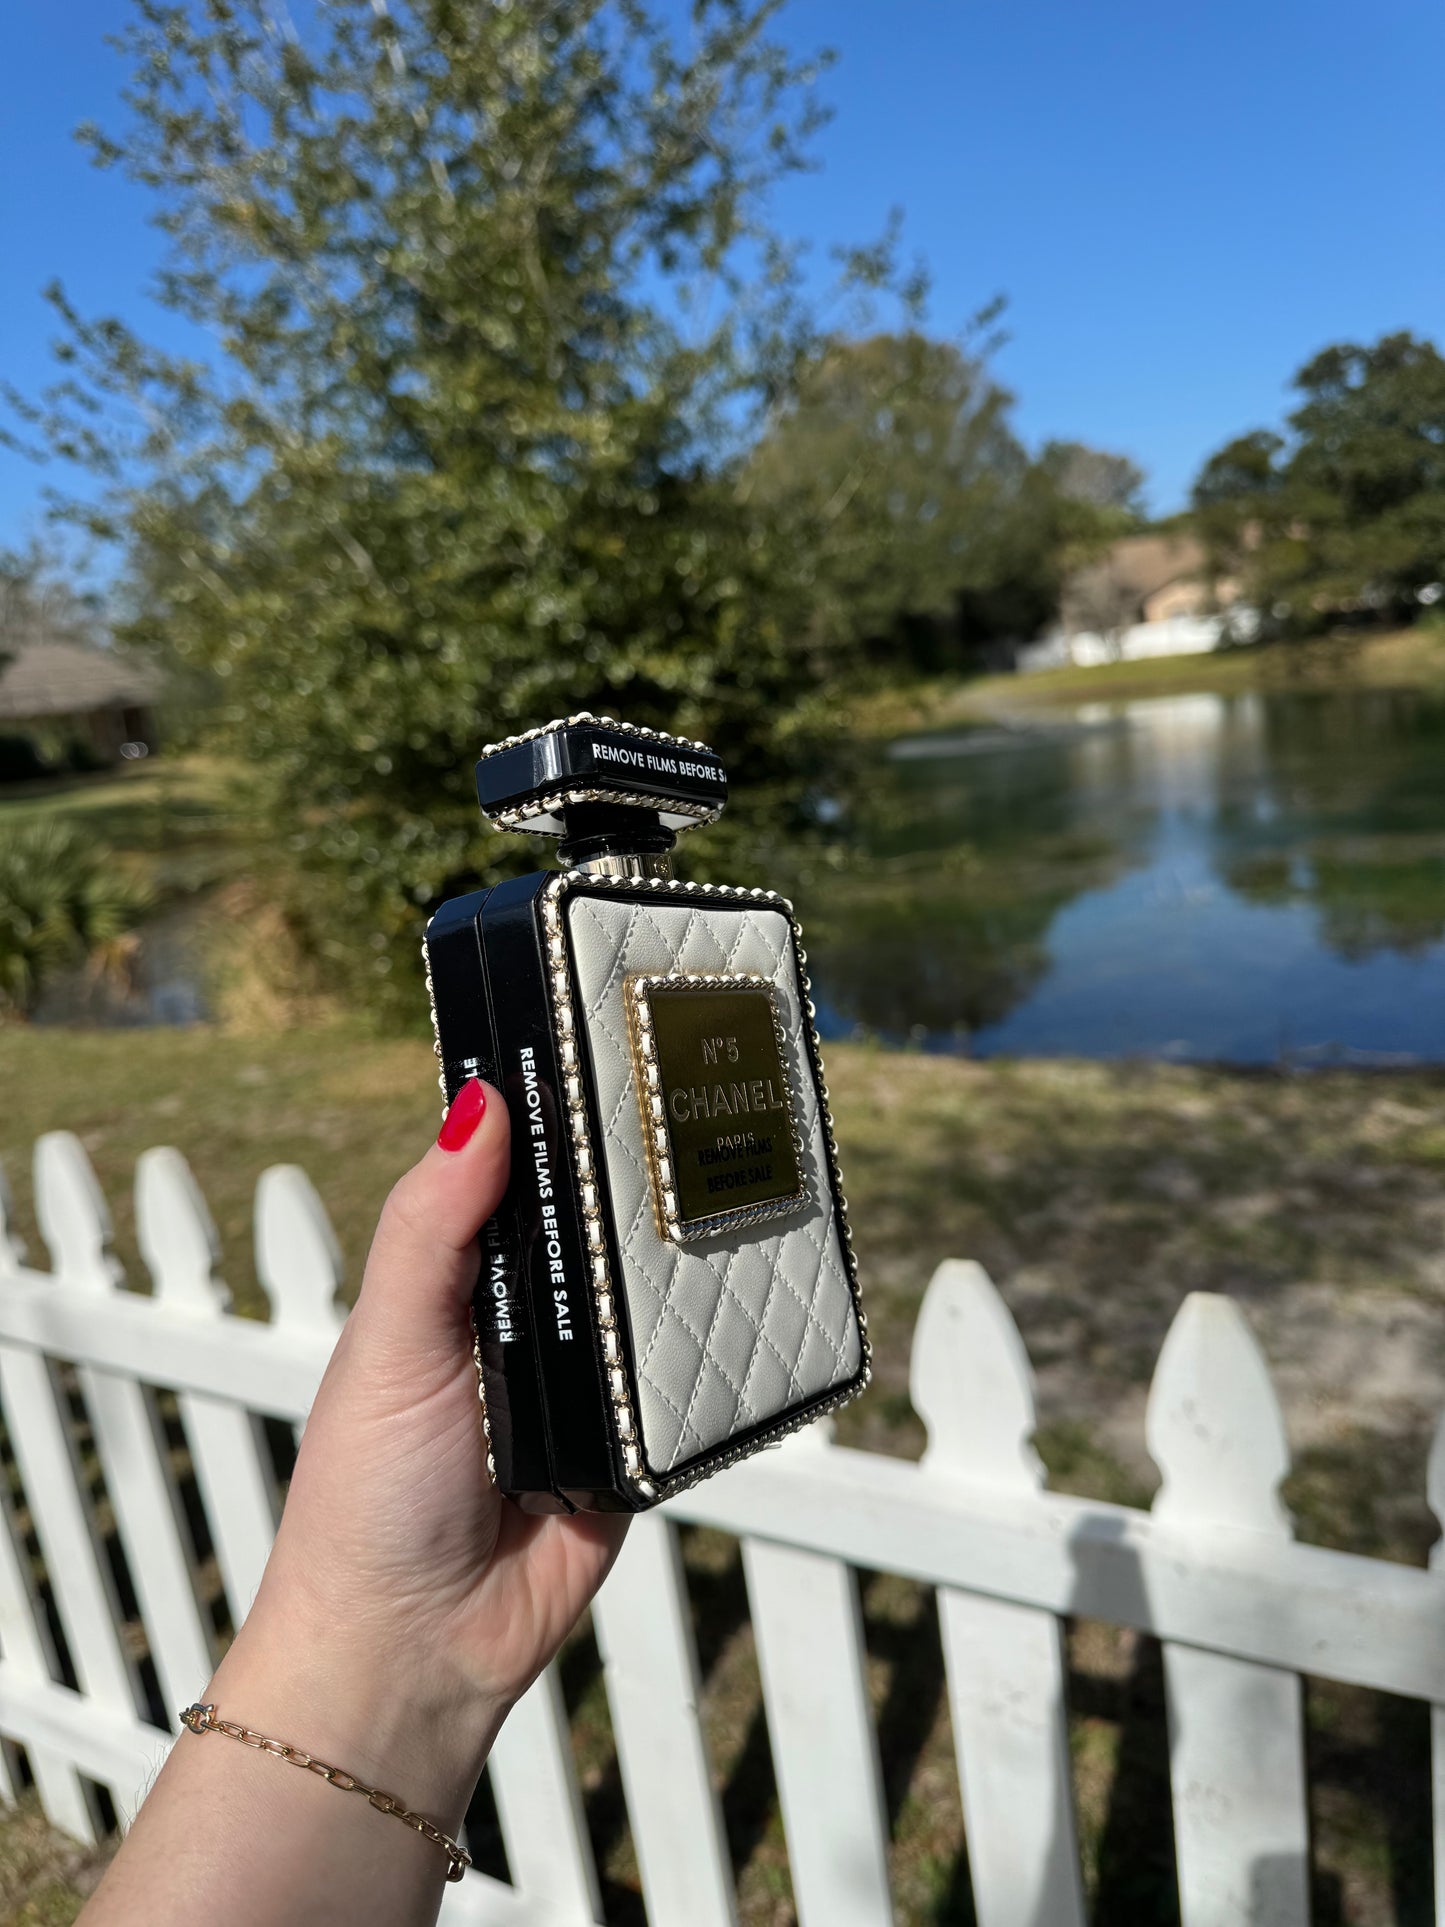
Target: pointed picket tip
(12,1245)
(176,1234)
(1435,1489)
(1214,1426)
(72,1213)
(297,1257)
(971,1382)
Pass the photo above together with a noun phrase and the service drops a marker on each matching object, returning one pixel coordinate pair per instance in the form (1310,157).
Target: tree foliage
(1346,512)
(1094,476)
(63,900)
(897,450)
(498,309)
(931,526)
(39,601)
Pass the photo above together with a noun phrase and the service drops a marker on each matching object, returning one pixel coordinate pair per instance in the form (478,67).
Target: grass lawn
(1097,1196)
(171,819)
(1413,658)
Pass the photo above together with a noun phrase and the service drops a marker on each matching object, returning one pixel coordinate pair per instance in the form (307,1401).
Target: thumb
(416,1295)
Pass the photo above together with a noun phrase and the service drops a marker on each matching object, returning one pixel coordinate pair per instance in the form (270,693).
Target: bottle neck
(653,863)
(606,839)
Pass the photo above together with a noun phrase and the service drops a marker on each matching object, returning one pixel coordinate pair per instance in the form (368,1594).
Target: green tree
(897,453)
(930,525)
(498,310)
(63,901)
(39,600)
(1345,514)
(1096,477)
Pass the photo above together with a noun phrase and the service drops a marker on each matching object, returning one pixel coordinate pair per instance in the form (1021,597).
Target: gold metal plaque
(717,1112)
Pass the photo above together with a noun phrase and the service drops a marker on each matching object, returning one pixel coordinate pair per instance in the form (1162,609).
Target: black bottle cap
(550,780)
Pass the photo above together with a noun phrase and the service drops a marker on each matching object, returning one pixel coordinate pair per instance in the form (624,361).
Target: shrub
(81,757)
(20,760)
(62,900)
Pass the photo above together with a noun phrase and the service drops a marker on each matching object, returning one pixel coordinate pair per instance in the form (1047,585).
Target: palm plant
(62,900)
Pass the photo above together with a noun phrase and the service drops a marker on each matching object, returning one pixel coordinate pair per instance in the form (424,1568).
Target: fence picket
(297,1257)
(534,1783)
(644,1632)
(12,1250)
(54,1482)
(972,1386)
(24,1635)
(477,1900)
(1236,1730)
(75,1224)
(808,1625)
(178,1243)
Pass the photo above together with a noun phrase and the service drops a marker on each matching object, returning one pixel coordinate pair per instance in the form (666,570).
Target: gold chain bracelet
(201,1718)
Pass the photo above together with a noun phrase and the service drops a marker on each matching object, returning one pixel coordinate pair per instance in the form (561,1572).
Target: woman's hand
(396,1551)
(405,1606)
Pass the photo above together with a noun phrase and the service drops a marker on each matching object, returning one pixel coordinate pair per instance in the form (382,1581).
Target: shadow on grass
(903,1633)
(738,1728)
(1135,1852)
(604,1804)
(1368,1766)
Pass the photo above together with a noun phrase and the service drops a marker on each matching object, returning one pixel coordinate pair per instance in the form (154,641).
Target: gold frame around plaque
(656,1132)
(606,1307)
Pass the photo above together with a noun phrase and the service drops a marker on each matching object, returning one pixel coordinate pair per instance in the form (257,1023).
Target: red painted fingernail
(468,1108)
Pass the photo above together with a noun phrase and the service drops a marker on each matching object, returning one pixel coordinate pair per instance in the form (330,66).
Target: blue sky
(1180,201)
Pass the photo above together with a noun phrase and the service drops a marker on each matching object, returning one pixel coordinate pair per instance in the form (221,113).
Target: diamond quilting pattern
(729,1332)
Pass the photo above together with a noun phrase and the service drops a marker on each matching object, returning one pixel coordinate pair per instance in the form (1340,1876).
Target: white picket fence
(1212,1570)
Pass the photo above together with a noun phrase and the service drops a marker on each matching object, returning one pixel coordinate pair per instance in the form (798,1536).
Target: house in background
(1147,595)
(58,689)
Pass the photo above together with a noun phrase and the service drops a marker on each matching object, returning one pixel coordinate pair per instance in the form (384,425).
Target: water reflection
(1246,878)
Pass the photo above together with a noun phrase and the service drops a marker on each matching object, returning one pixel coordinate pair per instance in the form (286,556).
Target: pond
(1254,879)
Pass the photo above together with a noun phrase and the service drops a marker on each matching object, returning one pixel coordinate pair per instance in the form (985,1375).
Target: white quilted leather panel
(734,1330)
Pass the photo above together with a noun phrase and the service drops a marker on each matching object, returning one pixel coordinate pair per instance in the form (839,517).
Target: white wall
(1176,636)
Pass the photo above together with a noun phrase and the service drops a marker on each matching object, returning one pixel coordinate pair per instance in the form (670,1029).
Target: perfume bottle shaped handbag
(669,1284)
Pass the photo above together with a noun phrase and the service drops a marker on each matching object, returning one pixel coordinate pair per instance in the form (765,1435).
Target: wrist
(408,1729)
